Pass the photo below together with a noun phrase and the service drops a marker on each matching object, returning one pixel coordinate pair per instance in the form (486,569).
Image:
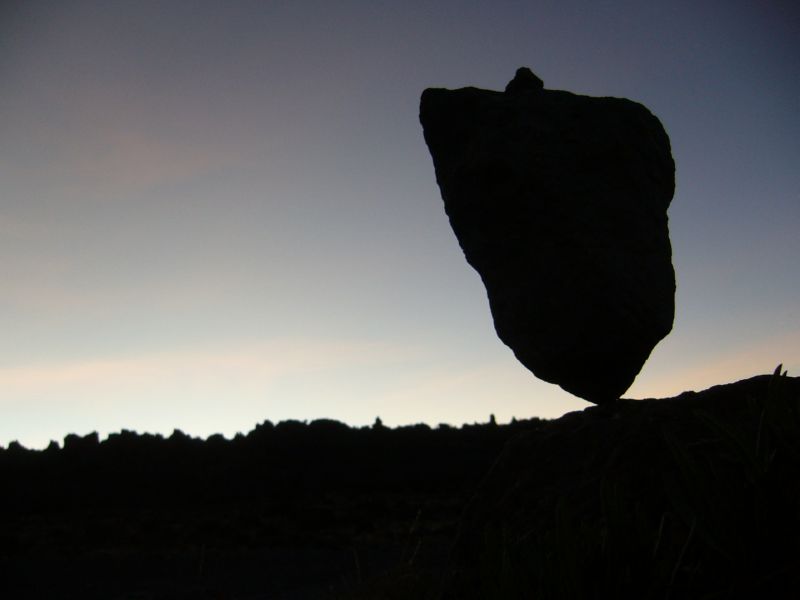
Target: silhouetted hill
(287,459)
(696,496)
(687,497)
(292,506)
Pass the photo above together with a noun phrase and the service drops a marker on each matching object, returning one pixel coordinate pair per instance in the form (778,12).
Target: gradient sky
(217,213)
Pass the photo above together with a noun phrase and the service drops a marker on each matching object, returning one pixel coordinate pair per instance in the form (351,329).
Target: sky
(217,213)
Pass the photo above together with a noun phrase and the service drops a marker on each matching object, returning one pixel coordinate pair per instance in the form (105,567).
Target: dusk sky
(217,213)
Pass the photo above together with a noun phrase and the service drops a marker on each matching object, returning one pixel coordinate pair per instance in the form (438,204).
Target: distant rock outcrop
(560,201)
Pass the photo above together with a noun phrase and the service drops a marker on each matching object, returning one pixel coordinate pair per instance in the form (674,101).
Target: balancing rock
(559,201)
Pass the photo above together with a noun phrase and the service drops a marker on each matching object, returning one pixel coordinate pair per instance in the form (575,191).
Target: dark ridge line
(301,427)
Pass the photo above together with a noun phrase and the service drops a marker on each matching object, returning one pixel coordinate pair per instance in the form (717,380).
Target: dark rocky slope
(288,511)
(696,496)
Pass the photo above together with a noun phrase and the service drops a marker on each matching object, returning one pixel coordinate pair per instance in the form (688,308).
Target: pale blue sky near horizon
(217,213)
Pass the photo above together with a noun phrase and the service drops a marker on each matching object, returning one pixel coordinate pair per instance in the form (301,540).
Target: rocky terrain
(696,496)
(291,510)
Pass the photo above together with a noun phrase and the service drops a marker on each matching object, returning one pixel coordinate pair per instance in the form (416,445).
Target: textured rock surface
(600,503)
(560,201)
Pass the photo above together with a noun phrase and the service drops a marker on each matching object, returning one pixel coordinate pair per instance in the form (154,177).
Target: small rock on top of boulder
(559,201)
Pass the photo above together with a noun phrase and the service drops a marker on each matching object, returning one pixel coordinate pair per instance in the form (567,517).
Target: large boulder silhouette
(559,201)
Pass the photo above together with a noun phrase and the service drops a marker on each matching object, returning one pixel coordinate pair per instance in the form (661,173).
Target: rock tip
(524,81)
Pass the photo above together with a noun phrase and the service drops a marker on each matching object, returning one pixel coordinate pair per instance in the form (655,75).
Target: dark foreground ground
(694,496)
(289,511)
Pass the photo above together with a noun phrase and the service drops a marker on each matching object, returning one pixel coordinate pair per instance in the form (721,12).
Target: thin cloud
(126,161)
(259,363)
(762,356)
(503,388)
(226,388)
